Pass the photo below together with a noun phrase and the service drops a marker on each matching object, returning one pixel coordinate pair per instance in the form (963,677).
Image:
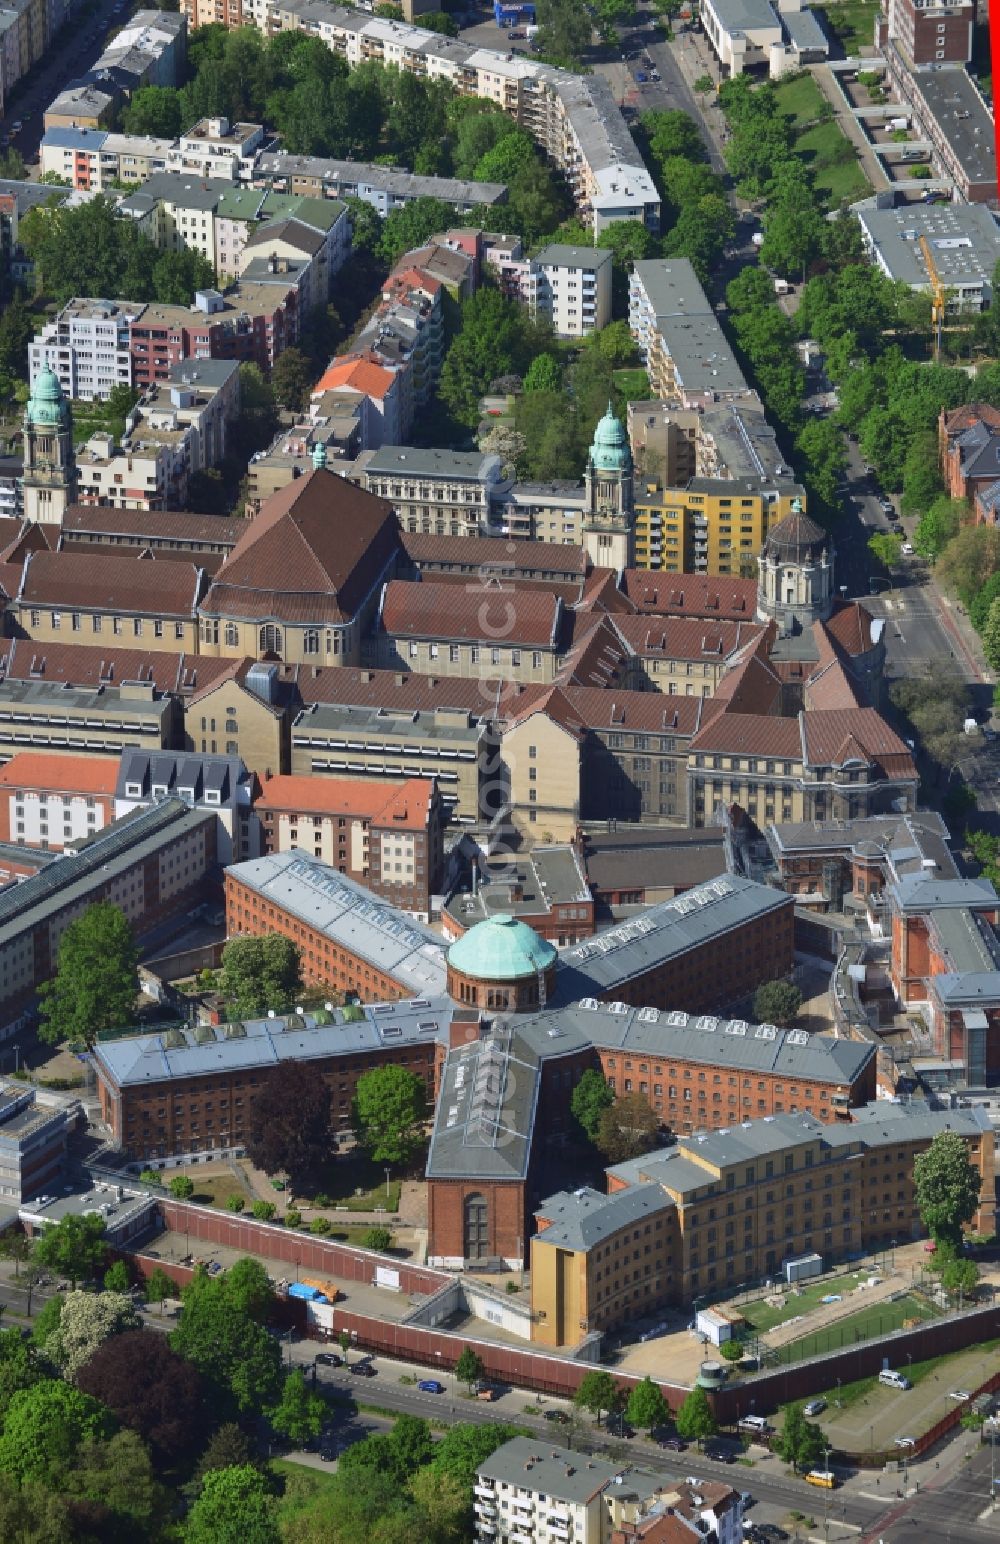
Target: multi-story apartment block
(448,629)
(33,1142)
(16,198)
(375,393)
(174,210)
(434,492)
(949,111)
(710,525)
(389,839)
(94,160)
(88,346)
(149,50)
(56,717)
(687,356)
(219,784)
(962,242)
(929,31)
(570,287)
(49,800)
(384,187)
(152,865)
(218,149)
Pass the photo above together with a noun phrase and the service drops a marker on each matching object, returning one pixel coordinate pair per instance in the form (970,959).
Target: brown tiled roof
(293,231)
(10,579)
(555,704)
(595,653)
(832,737)
(316,549)
(829,687)
(685,637)
(153,526)
(405,806)
(850,627)
(31,536)
(962,418)
(484,613)
(750,734)
(10,530)
(518,559)
(164,587)
(648,712)
(22,659)
(601,593)
(696,595)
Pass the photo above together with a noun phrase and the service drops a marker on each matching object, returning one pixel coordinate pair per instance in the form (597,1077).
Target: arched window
(476,1227)
(270,640)
(310,641)
(232,635)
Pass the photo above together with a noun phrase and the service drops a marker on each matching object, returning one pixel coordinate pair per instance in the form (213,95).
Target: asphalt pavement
(27,101)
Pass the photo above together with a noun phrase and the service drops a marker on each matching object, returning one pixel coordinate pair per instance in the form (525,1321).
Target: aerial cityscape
(499,772)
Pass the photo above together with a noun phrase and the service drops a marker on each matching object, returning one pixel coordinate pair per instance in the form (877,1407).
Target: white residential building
(94,159)
(571,288)
(216,148)
(87,347)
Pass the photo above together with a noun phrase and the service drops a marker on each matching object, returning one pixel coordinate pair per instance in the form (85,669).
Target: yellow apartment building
(710,526)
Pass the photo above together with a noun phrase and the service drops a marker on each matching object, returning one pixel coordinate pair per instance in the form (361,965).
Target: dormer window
(133,790)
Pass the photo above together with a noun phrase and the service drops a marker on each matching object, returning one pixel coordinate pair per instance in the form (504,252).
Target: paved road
(27,102)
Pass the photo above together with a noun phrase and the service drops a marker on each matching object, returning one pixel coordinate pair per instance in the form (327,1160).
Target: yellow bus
(824,1477)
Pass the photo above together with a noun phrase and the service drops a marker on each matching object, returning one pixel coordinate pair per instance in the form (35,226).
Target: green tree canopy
(220,1336)
(647,1408)
(299,1413)
(969,560)
(938,525)
(947,1185)
(235,1507)
(87,1320)
(181,1186)
(886,548)
(695,1420)
(44,1427)
(292,375)
(96,983)
(598,1392)
(389,1113)
(469,1367)
(261,973)
(777,1002)
(590,1098)
(627,1128)
(73,1247)
(543,374)
(464,1447)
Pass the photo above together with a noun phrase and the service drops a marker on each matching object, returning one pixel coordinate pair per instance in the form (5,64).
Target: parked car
(558,1416)
(962,1395)
(430,1386)
(364,1370)
(618,1426)
(814,1407)
(674,1444)
(907,549)
(641,77)
(720,1455)
(329,1359)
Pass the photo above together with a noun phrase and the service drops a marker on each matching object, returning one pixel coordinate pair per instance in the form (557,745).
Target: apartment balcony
(486,1491)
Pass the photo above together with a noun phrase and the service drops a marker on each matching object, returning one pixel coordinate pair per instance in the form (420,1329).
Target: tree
(389,1112)
(48,1320)
(937,526)
(732,1350)
(886,548)
(159,1286)
(496,339)
(800,1444)
(150,1389)
(73,1247)
(921,474)
(979,610)
(234,1508)
(154,110)
(991,636)
(543,374)
(19,1367)
(261,973)
(647,1408)
(960,1277)
(377,1238)
(264,1211)
(936,704)
(506,443)
(626,1129)
(181,1186)
(507,158)
(43,1428)
(411,226)
(469,1367)
(947,1185)
(220,1335)
(695,1420)
(227,1448)
(117,1278)
(615,343)
(464,1447)
(969,560)
(291,378)
(289,1130)
(443,1504)
(114,1487)
(591,1097)
(777,1002)
(96,984)
(236,1203)
(87,1320)
(563,32)
(598,1391)
(299,1414)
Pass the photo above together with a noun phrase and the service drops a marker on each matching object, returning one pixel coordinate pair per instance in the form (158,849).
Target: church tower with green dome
(607,522)
(50,476)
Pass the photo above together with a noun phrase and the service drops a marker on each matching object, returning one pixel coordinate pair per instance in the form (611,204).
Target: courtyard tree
(948,1186)
(777,1002)
(290,1124)
(261,973)
(389,1114)
(647,1408)
(469,1367)
(181,1186)
(377,1238)
(96,984)
(627,1128)
(590,1098)
(695,1420)
(159,1287)
(598,1391)
(73,1247)
(731,1351)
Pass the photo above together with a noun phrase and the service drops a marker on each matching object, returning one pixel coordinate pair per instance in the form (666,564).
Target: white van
(893,1380)
(754,1425)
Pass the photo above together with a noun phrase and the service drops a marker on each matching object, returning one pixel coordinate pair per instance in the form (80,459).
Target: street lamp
(387,1173)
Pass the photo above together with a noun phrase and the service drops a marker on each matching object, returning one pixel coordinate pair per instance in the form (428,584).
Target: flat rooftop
(964,241)
(962,116)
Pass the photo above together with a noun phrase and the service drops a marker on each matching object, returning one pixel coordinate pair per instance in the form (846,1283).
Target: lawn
(215,1189)
(358,1185)
(880,1319)
(299,1484)
(821,142)
(851,22)
(762,1317)
(633,384)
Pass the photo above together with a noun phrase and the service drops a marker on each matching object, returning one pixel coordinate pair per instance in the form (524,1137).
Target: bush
(377,1238)
(321,1225)
(293,1217)
(149,1177)
(322,1200)
(181,1187)
(236,1203)
(264,1210)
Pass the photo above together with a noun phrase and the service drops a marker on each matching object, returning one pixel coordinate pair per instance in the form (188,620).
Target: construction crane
(937,294)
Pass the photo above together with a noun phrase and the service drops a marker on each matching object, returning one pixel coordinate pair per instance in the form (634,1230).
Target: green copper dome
(47,406)
(501,949)
(610,451)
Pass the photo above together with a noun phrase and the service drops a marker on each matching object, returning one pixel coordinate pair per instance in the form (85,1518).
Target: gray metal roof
(531,1463)
(204,1050)
(185,774)
(396,460)
(964,240)
(904,842)
(968,942)
(916,892)
(181,189)
(661,933)
(746,15)
(581,1219)
(558,255)
(396,184)
(961,114)
(972,988)
(804,31)
(350,915)
(485,1115)
(73,878)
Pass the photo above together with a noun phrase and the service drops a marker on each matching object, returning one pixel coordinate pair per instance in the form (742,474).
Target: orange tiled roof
(405,806)
(360,374)
(61,774)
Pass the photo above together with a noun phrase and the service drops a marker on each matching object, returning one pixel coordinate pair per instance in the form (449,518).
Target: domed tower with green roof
(607,522)
(50,476)
(502,965)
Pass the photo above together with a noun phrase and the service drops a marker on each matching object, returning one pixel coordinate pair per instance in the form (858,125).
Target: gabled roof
(83,774)
(750,734)
(77,664)
(596,653)
(832,737)
(685,637)
(853,628)
(405,807)
(531,618)
(97,581)
(356,374)
(318,538)
(696,595)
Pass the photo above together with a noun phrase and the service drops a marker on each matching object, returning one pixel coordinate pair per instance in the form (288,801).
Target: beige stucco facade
(543,769)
